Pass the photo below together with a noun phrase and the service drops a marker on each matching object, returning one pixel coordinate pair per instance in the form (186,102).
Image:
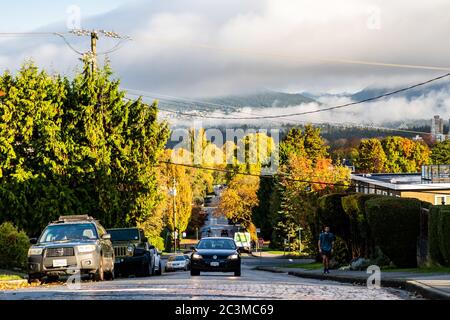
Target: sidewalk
(430,286)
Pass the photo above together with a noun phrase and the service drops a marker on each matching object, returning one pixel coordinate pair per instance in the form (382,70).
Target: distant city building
(437,129)
(417,138)
(437,125)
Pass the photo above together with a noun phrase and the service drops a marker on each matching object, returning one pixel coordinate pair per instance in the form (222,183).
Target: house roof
(400,181)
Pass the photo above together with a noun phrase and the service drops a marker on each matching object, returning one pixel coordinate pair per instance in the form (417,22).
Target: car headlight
(233,257)
(86,248)
(196,256)
(34,251)
(130,250)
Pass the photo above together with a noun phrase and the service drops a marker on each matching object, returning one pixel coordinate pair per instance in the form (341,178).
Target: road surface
(252,284)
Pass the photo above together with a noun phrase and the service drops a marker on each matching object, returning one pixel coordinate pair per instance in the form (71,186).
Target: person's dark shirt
(326,241)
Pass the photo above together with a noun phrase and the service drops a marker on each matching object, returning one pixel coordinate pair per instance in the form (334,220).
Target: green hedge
(330,213)
(433,235)
(444,234)
(361,239)
(394,223)
(14,246)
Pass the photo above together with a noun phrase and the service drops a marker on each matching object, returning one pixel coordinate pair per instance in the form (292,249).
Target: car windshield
(124,234)
(176,258)
(225,244)
(67,232)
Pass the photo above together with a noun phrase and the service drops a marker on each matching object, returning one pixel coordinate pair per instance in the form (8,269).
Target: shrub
(361,241)
(330,213)
(433,236)
(340,252)
(394,223)
(444,234)
(14,246)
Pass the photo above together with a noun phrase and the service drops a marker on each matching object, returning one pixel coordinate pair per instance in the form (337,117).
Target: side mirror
(151,246)
(145,239)
(33,240)
(193,248)
(106,236)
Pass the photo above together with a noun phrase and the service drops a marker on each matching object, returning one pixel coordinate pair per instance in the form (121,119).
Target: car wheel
(100,274)
(50,279)
(110,275)
(159,272)
(237,273)
(195,272)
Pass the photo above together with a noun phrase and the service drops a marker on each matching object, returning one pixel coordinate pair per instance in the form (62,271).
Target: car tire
(51,279)
(110,275)
(237,272)
(159,271)
(195,272)
(100,273)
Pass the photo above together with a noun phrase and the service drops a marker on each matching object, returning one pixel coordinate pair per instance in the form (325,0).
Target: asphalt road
(252,284)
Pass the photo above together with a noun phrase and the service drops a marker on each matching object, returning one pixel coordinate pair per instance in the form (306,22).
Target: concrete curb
(406,284)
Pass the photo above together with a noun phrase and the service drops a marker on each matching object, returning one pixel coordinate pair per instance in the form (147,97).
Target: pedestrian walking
(326,240)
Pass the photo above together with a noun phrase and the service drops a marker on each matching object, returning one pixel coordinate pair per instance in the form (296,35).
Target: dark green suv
(134,255)
(70,245)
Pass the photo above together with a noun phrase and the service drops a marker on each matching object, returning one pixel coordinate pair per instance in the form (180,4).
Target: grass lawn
(419,270)
(307,266)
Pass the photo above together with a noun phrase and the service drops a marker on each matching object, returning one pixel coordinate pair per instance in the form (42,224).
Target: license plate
(60,263)
(214,264)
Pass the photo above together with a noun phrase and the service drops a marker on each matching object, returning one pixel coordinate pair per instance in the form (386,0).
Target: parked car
(216,255)
(158,263)
(188,260)
(176,262)
(70,245)
(134,255)
(243,241)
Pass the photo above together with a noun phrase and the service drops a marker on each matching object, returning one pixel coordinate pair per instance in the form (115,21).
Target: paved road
(252,284)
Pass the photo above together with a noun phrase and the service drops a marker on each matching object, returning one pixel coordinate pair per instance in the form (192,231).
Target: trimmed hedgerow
(394,224)
(361,239)
(433,235)
(444,234)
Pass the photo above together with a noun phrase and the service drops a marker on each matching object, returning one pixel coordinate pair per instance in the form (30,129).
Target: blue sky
(27,15)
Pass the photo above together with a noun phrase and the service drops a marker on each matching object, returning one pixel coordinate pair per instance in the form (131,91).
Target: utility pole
(94,36)
(173,192)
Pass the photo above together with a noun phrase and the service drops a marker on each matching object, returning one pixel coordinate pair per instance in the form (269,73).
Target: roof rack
(81,217)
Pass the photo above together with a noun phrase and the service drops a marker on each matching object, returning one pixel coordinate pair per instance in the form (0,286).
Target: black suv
(216,255)
(134,255)
(70,245)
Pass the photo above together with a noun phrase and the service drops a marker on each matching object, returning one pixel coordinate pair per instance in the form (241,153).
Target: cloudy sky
(201,48)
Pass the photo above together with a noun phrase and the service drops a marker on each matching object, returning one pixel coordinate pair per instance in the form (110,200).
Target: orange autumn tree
(306,172)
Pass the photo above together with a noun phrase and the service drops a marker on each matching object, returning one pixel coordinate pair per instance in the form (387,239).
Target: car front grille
(59,252)
(219,257)
(120,251)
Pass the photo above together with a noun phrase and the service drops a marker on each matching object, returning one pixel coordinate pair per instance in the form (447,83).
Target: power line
(335,107)
(237,110)
(285,177)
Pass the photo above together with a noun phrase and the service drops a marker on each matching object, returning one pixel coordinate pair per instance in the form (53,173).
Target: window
(441,199)
(67,232)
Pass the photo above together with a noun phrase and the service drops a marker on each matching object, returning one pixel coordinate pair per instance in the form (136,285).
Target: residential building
(431,185)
